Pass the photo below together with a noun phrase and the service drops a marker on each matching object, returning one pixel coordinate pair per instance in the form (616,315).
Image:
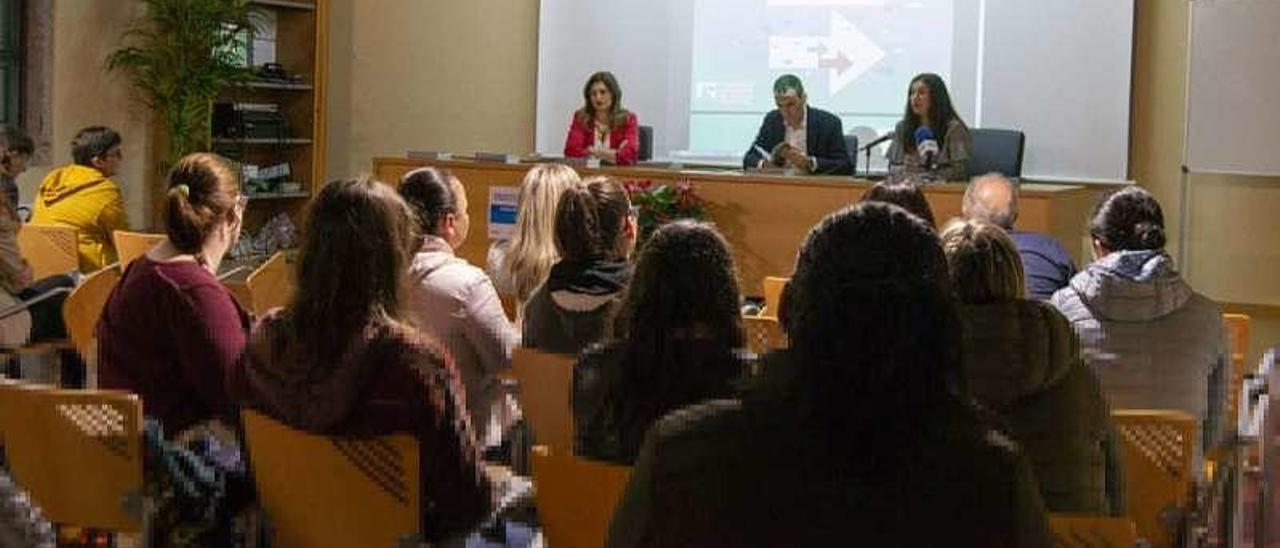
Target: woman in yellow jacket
(82,195)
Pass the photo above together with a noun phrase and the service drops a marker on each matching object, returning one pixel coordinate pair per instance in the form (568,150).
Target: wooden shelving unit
(301,47)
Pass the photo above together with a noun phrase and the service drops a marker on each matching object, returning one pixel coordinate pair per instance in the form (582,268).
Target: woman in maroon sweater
(170,331)
(342,359)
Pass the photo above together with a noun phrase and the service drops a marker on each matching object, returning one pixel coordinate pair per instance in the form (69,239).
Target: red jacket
(582,135)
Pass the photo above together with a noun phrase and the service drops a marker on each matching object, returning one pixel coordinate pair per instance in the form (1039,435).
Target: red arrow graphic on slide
(839,62)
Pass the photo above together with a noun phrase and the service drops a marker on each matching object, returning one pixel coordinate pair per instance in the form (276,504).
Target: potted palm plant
(181,55)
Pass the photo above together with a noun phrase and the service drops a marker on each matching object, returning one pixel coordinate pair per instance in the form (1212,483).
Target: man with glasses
(83,196)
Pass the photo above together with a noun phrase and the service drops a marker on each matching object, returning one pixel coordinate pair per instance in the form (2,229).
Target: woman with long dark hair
(675,342)
(602,128)
(343,359)
(929,116)
(860,435)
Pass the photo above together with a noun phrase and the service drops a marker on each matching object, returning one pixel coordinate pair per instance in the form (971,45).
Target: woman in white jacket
(1155,343)
(457,304)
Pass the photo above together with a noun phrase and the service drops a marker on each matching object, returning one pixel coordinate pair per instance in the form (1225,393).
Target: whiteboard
(1233,114)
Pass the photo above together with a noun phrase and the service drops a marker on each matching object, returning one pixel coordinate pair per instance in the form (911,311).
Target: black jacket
(824,141)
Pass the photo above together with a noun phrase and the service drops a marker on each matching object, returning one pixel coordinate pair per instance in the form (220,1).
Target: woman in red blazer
(602,128)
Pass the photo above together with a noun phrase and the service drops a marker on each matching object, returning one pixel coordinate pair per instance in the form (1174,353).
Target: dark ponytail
(589,220)
(1128,219)
(430,195)
(203,188)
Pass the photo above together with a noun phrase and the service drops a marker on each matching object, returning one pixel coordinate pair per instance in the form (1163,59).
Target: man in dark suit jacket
(814,138)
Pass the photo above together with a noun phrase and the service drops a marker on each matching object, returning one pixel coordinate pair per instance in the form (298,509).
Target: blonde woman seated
(519,265)
(1022,360)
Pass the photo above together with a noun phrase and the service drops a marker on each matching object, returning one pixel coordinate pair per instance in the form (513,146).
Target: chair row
(78,454)
(1157,446)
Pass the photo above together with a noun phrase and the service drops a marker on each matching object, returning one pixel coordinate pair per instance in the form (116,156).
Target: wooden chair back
(545,381)
(321,491)
(575,497)
(49,249)
(77,453)
(271,285)
(763,334)
(1157,447)
(1084,531)
(80,313)
(131,245)
(773,287)
(1237,328)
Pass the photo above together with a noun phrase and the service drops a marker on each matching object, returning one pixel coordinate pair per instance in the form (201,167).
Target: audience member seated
(82,195)
(17,149)
(1155,343)
(595,233)
(863,439)
(41,321)
(456,303)
(904,192)
(171,331)
(342,358)
(519,265)
(1022,360)
(1048,267)
(676,341)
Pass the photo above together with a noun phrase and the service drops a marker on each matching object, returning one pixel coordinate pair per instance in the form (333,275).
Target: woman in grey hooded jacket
(1155,343)
(1022,360)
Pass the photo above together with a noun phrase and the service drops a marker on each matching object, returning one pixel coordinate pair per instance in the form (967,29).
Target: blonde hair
(532,251)
(984,263)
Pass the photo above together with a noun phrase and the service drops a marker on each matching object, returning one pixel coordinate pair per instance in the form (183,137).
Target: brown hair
(203,188)
(903,193)
(429,192)
(589,221)
(617,114)
(984,263)
(360,236)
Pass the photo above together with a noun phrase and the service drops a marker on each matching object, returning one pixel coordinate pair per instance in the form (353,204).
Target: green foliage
(181,55)
(660,204)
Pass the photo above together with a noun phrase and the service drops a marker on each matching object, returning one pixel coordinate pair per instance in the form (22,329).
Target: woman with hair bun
(171,331)
(1155,342)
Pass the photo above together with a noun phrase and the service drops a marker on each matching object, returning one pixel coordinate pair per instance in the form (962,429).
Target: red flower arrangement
(660,204)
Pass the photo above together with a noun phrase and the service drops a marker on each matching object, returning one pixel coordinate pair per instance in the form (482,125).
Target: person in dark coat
(1022,360)
(859,435)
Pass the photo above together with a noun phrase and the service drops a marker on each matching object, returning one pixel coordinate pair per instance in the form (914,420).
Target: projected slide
(855,57)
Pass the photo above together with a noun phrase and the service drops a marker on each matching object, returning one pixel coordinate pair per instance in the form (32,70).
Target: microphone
(926,146)
(877,141)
